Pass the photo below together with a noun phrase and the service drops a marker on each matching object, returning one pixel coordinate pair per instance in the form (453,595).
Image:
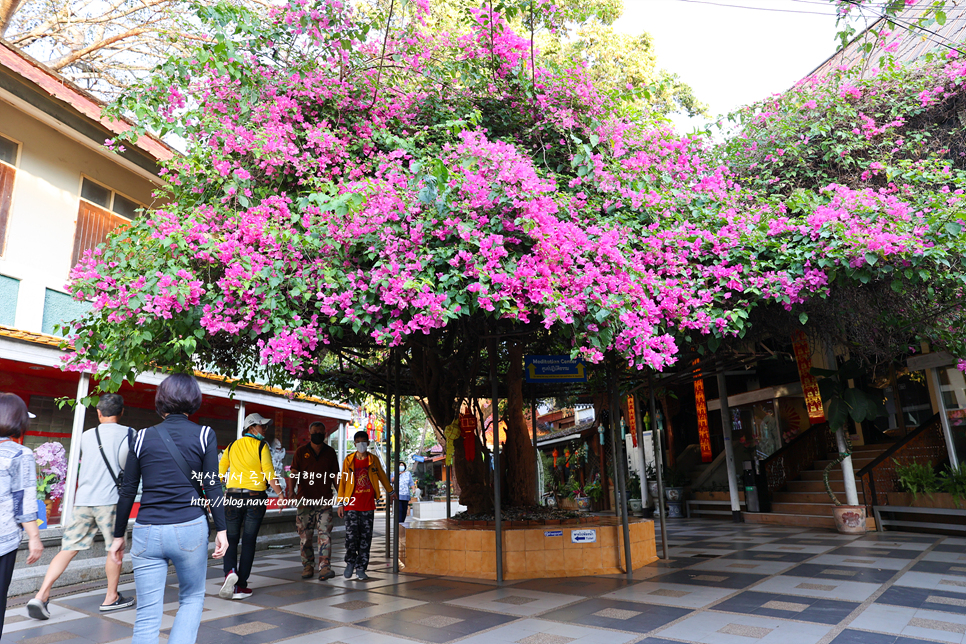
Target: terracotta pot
(849,519)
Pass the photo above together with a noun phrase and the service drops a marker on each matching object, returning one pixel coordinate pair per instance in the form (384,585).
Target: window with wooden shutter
(95,218)
(8,160)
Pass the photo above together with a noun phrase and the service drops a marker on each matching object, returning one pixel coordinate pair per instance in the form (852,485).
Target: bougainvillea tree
(355,182)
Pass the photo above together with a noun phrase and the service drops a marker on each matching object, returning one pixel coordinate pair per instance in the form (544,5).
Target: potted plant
(634,496)
(579,495)
(920,486)
(841,404)
(652,488)
(675,478)
(51,459)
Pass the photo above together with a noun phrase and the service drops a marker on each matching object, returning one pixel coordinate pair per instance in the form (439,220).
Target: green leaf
(802,318)
(953,228)
(838,414)
(858,404)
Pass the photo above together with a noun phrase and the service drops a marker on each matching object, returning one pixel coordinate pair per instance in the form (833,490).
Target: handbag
(183,466)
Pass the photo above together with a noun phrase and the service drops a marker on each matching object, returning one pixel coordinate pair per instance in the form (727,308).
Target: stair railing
(788,462)
(923,445)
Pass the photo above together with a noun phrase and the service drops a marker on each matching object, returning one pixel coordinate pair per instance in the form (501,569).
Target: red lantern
(555,455)
(468,433)
(567,457)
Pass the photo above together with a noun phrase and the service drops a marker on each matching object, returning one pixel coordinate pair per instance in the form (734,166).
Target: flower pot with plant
(634,493)
(51,459)
(675,478)
(920,486)
(843,403)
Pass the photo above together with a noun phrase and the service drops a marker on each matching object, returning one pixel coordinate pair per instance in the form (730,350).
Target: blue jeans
(152,547)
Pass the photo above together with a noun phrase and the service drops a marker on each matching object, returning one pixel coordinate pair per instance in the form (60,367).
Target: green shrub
(917,478)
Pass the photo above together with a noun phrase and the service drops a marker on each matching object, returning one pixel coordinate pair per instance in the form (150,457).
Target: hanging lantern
(586,450)
(567,457)
(468,432)
(555,455)
(451,433)
(369,427)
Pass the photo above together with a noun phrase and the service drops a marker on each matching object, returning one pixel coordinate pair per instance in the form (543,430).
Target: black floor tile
(950,548)
(433,590)
(257,627)
(758,555)
(452,622)
(941,567)
(820,611)
(939,600)
(842,573)
(869,553)
(582,586)
(709,578)
(287,594)
(85,629)
(617,615)
(862,637)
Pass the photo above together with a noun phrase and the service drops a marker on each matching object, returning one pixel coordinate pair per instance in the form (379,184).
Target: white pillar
(241,419)
(848,475)
(944,418)
(342,439)
(73,458)
(729,448)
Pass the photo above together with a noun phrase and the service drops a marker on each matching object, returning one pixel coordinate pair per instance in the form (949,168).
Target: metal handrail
(907,443)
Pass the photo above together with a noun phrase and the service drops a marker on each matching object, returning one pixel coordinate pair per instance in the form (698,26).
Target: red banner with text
(813,397)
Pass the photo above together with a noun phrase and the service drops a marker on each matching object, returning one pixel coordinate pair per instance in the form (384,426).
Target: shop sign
(632,419)
(583,536)
(813,396)
(701,404)
(553,533)
(554,369)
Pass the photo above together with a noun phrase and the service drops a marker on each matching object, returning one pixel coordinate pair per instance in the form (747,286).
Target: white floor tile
(855,591)
(679,595)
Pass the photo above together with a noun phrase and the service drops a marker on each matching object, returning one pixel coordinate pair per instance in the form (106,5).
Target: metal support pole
(658,466)
(498,519)
(620,466)
(729,448)
(388,465)
(449,492)
(536,451)
(395,459)
(240,429)
(73,458)
(944,419)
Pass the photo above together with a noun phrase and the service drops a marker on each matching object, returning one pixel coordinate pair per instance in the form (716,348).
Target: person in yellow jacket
(247,470)
(362,474)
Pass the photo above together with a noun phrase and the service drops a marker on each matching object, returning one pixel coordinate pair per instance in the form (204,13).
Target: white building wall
(46,194)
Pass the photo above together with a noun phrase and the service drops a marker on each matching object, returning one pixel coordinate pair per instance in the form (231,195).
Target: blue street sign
(554,369)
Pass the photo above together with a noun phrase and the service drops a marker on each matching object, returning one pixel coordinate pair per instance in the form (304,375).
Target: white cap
(256,419)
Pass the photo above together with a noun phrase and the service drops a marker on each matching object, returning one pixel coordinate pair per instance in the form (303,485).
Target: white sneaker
(228,588)
(38,609)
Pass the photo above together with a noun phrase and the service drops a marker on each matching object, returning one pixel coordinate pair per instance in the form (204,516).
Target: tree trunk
(520,464)
(7,10)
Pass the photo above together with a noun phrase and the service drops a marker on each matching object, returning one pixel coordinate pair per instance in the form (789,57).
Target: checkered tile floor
(725,584)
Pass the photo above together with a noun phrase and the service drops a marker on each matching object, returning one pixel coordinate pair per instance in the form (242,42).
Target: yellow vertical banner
(813,396)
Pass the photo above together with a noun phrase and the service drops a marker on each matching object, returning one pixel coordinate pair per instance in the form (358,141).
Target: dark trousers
(403,509)
(6,574)
(358,537)
(243,514)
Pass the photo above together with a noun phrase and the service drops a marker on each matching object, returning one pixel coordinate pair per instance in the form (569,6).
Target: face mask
(402,468)
(362,448)
(317,439)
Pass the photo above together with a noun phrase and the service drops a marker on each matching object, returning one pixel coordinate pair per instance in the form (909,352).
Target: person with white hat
(247,470)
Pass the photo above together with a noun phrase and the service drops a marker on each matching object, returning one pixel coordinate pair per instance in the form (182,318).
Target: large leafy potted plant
(844,403)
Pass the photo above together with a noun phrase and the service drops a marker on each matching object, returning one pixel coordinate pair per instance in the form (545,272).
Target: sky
(730,55)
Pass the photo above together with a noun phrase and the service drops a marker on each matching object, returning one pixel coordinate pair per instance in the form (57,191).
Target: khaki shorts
(85,521)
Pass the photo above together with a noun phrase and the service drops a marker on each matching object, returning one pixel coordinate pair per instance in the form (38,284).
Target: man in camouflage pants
(314,473)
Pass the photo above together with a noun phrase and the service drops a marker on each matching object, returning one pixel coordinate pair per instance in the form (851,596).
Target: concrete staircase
(804,502)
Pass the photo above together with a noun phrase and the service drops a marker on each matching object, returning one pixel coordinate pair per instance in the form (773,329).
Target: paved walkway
(725,584)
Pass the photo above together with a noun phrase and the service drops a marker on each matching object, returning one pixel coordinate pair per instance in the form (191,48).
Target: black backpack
(119,478)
